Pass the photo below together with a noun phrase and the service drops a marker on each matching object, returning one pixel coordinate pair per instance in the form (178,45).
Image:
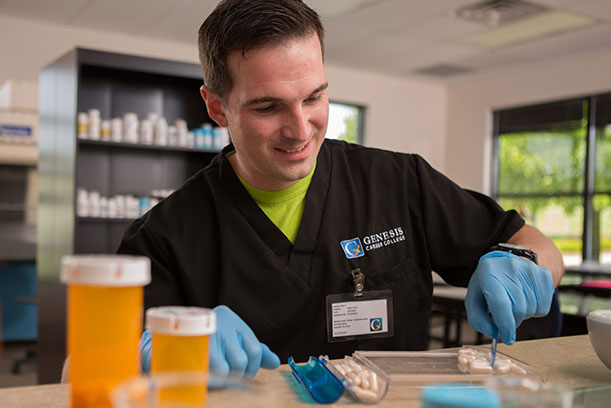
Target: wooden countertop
(571,361)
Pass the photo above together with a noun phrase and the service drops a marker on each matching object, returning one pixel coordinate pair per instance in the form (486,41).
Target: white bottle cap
(181,320)
(106,270)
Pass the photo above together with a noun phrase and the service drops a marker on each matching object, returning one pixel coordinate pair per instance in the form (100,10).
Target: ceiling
(395,37)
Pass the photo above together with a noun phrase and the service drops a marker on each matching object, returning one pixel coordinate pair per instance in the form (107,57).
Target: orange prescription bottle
(105,304)
(180,344)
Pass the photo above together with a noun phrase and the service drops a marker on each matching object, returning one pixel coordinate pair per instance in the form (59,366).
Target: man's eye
(313,99)
(266,109)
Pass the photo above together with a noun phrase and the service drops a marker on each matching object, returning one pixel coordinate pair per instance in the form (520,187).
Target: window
(345,122)
(553,165)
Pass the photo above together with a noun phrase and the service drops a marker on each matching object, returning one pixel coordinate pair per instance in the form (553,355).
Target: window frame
(360,134)
(589,170)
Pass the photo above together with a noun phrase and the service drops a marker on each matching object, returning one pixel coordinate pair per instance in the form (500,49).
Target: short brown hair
(242,25)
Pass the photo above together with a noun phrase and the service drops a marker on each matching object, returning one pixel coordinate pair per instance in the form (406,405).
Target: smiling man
(313,246)
(277,111)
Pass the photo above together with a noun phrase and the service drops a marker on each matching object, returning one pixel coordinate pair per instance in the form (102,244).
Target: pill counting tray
(421,368)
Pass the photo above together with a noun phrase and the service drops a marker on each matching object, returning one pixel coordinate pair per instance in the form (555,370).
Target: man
(321,247)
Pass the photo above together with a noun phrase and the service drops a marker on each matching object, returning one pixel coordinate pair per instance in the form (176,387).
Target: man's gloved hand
(512,289)
(235,351)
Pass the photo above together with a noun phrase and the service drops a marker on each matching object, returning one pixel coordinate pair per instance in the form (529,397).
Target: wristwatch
(516,250)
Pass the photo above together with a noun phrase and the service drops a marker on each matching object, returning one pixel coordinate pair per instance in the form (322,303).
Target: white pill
(365,380)
(480,367)
(465,358)
(374,382)
(467,350)
(347,368)
(355,366)
(502,367)
(354,378)
(502,360)
(364,395)
(463,368)
(341,370)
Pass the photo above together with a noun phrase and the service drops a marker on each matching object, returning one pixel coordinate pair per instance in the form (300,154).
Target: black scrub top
(210,244)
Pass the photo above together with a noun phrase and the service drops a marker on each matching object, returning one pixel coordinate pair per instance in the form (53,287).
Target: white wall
(402,114)
(394,105)
(27,45)
(470,102)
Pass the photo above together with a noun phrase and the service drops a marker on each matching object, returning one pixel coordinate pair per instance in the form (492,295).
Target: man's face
(277,112)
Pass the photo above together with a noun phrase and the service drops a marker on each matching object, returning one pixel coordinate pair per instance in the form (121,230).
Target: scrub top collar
(298,257)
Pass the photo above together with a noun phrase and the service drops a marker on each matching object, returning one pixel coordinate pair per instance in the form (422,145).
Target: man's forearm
(549,256)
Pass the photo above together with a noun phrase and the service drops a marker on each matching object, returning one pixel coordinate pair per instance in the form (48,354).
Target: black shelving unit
(115,84)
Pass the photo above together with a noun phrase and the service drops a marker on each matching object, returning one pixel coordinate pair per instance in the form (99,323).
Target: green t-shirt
(283,207)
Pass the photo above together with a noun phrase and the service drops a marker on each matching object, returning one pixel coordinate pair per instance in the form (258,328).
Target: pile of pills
(473,361)
(365,384)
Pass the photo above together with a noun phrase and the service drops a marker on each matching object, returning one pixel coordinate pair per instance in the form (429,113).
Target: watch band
(517,250)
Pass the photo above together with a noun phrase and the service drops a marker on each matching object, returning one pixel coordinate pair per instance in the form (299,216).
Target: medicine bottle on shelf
(83,125)
(82,202)
(104,318)
(94,124)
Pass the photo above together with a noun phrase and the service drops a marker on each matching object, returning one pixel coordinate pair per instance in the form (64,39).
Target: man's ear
(215,107)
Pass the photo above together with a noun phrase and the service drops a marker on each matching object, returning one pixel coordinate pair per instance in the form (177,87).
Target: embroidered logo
(352,248)
(375,324)
(383,239)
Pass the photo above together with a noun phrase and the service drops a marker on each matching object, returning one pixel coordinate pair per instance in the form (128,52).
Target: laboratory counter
(571,361)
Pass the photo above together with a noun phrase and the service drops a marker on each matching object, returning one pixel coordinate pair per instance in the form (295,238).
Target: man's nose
(297,125)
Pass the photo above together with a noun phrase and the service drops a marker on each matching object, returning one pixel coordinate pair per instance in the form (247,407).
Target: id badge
(359,315)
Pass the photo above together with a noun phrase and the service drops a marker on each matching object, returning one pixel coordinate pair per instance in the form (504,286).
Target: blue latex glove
(512,289)
(235,351)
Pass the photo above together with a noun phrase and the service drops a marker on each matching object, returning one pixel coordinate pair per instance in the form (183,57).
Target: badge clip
(359,282)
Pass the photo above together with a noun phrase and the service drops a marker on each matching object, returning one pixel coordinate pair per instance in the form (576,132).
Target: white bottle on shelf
(172,136)
(161,132)
(116,130)
(146,132)
(121,206)
(94,124)
(130,127)
(82,203)
(104,207)
(153,117)
(94,204)
(112,207)
(132,206)
(190,139)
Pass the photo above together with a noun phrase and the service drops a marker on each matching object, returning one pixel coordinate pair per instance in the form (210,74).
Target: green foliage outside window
(344,122)
(542,170)
(351,135)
